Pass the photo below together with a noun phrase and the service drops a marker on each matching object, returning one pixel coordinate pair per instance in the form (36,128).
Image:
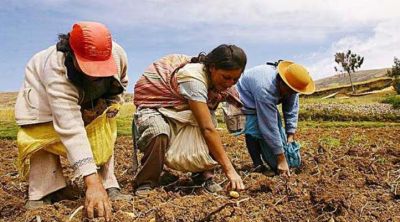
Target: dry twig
(230,203)
(280,200)
(74,213)
(362,208)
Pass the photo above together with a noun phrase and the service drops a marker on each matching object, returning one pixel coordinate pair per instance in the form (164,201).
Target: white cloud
(249,12)
(284,20)
(370,28)
(378,50)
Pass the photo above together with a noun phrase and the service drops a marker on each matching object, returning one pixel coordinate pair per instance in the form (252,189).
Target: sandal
(115,194)
(143,190)
(34,204)
(211,186)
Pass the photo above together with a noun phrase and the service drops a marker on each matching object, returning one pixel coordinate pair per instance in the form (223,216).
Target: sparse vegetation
(395,73)
(329,142)
(8,127)
(357,139)
(368,99)
(357,77)
(394,100)
(8,130)
(349,112)
(349,63)
(305,125)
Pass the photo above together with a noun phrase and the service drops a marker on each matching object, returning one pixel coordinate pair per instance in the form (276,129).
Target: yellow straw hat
(296,77)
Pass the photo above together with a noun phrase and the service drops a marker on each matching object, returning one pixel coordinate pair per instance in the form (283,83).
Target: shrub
(394,100)
(396,84)
(395,73)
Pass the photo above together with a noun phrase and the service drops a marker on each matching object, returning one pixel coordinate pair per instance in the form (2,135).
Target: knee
(161,141)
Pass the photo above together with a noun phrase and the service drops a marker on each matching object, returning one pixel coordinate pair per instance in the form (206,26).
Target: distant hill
(7,99)
(343,79)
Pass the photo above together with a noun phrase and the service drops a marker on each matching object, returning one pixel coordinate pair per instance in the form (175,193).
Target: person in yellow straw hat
(261,90)
(61,81)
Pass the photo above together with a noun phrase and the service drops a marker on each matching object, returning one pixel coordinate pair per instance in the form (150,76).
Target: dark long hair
(226,57)
(63,44)
(74,75)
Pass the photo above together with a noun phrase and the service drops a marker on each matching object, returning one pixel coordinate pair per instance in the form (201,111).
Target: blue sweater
(259,93)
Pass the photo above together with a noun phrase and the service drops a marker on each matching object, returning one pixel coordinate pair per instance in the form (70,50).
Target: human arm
(267,118)
(97,200)
(203,117)
(63,98)
(290,138)
(290,108)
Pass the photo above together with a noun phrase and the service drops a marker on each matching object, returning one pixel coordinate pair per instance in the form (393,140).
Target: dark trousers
(259,155)
(152,162)
(254,148)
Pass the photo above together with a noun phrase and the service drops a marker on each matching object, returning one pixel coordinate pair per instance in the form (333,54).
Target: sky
(308,32)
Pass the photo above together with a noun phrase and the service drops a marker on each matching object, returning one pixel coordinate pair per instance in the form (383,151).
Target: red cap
(92,46)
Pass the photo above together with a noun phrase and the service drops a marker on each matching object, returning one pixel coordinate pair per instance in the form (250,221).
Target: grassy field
(394,100)
(8,128)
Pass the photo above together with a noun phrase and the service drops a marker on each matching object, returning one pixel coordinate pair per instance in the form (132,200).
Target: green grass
(394,100)
(8,127)
(126,110)
(8,130)
(124,119)
(124,126)
(357,139)
(345,115)
(329,142)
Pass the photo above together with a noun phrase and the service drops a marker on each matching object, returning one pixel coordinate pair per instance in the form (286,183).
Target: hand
(112,112)
(290,138)
(282,165)
(96,198)
(235,182)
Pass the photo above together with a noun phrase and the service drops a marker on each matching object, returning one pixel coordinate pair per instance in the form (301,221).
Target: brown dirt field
(348,174)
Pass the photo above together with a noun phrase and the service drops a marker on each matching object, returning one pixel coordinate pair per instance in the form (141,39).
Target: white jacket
(47,95)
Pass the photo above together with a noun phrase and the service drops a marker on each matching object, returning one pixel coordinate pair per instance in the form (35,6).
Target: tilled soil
(348,174)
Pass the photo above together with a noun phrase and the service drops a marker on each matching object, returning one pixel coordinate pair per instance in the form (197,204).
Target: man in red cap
(84,66)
